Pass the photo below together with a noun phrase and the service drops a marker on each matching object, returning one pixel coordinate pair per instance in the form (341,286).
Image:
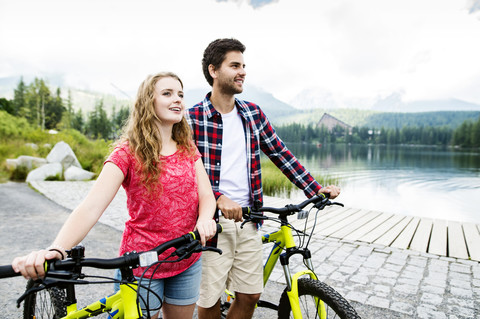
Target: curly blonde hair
(143,135)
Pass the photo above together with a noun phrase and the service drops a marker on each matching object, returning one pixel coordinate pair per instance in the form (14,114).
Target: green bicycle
(54,296)
(305,296)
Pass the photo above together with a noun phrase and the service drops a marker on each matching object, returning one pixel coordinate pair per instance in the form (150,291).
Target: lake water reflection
(432,182)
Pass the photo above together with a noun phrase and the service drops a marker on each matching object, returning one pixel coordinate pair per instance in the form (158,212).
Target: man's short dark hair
(215,54)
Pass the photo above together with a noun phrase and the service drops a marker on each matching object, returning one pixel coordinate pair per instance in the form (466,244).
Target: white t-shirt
(234,181)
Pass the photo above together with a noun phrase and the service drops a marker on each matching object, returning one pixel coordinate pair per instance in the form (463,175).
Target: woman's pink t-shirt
(157,219)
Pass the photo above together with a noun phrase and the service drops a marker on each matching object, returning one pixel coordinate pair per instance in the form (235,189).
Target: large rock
(62,153)
(74,173)
(24,160)
(44,172)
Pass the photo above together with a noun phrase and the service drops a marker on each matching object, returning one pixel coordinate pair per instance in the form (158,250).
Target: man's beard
(229,88)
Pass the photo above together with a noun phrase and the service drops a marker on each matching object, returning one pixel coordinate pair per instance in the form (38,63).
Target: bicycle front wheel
(335,305)
(43,304)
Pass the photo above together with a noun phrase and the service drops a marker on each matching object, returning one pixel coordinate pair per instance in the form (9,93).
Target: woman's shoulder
(122,146)
(121,151)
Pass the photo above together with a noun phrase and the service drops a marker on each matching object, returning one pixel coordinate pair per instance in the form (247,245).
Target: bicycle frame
(122,304)
(324,297)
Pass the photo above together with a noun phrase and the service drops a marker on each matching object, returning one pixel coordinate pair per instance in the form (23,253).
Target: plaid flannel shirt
(207,128)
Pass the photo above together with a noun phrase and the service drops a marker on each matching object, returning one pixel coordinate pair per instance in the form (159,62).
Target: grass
(275,183)
(17,136)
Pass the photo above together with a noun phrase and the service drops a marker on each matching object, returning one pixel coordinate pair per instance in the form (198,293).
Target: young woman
(168,194)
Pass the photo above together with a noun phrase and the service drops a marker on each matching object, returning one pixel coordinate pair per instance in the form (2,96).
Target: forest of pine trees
(467,135)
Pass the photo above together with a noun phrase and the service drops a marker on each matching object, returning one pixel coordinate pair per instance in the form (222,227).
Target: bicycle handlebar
(256,215)
(131,259)
(319,201)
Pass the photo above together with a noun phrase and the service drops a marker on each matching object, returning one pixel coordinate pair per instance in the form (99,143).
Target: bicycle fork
(292,286)
(292,281)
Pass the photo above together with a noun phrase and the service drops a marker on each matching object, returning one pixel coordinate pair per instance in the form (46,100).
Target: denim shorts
(181,290)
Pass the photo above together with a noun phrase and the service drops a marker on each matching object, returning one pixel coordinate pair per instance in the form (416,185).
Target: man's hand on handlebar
(332,190)
(229,208)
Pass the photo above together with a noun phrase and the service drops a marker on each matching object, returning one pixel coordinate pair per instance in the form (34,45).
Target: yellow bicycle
(305,296)
(54,296)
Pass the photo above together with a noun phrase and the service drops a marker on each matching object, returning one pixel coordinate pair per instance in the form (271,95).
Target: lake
(438,183)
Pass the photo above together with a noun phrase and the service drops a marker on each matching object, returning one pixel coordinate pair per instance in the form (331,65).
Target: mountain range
(307,107)
(315,98)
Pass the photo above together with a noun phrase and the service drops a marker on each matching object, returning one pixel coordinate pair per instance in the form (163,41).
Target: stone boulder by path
(50,170)
(63,153)
(74,173)
(30,162)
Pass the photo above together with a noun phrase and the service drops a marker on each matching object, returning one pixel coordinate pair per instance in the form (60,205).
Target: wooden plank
(326,224)
(456,241)
(357,217)
(357,224)
(323,215)
(388,237)
(378,227)
(364,229)
(405,237)
(422,235)
(472,237)
(438,240)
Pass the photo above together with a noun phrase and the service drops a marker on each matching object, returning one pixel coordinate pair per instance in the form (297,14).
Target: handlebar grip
(196,234)
(325,195)
(219,228)
(7,271)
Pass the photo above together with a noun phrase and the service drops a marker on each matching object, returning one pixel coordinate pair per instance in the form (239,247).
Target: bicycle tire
(47,303)
(335,305)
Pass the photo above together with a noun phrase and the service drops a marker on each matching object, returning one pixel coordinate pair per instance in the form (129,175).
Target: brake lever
(187,249)
(28,292)
(252,219)
(214,249)
(244,222)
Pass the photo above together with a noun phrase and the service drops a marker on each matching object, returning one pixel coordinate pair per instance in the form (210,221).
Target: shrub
(19,173)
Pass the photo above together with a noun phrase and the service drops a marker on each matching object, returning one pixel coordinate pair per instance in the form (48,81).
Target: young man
(229,134)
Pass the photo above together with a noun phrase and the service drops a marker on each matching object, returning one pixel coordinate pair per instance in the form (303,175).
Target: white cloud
(353,49)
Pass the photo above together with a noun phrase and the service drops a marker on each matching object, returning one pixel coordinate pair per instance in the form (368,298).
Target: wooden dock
(439,237)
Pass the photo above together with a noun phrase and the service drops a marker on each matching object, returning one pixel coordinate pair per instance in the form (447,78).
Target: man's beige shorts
(239,268)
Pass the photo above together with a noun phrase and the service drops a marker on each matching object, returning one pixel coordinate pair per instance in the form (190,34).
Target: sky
(347,49)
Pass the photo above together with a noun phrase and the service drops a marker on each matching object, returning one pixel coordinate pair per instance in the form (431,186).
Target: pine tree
(19,102)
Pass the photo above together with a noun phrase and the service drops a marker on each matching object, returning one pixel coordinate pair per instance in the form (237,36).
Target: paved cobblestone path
(379,281)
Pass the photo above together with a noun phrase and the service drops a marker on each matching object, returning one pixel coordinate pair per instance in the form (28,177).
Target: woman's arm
(77,225)
(206,204)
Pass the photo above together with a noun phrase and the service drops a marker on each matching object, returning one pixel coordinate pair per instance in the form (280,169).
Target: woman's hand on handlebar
(229,208)
(33,265)
(332,190)
(207,229)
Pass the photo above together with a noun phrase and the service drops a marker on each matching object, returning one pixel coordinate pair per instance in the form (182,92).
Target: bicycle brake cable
(313,227)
